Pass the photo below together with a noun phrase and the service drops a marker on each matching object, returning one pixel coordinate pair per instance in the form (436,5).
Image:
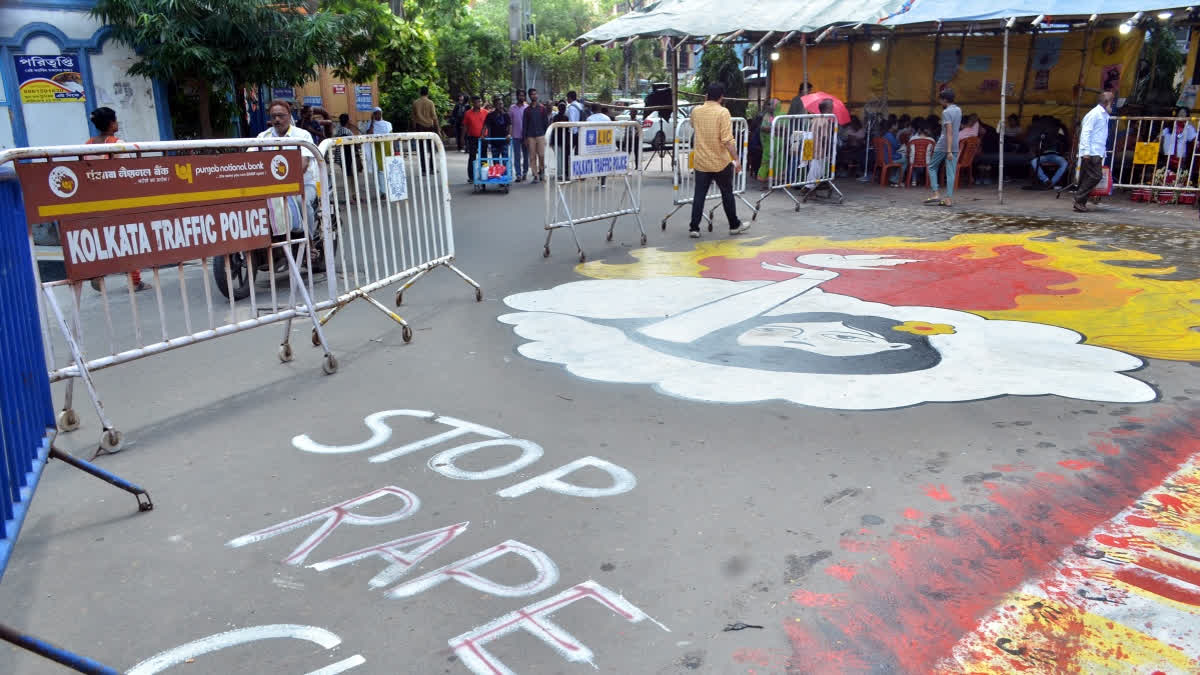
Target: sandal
(945,202)
(932,200)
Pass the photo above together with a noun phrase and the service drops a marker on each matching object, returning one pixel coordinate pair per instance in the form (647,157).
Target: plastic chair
(968,149)
(882,149)
(919,148)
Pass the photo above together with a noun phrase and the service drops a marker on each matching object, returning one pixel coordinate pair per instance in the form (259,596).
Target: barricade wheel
(478,295)
(546,252)
(330,365)
(316,338)
(110,440)
(643,240)
(710,226)
(664,225)
(582,256)
(406,334)
(68,420)
(285,352)
(608,237)
(399,297)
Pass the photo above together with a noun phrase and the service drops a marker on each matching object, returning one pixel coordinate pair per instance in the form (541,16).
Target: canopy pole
(1028,67)
(937,45)
(583,73)
(805,84)
(1003,116)
(674,99)
(1087,40)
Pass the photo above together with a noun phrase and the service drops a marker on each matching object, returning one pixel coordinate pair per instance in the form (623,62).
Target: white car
(656,133)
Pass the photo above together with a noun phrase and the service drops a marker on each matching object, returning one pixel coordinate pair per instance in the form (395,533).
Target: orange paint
(913,514)
(843,572)
(1077,464)
(938,492)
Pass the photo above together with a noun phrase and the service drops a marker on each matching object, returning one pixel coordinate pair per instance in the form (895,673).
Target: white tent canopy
(979,11)
(684,18)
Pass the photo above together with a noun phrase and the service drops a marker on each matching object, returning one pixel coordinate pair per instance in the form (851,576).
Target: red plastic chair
(882,150)
(919,149)
(968,149)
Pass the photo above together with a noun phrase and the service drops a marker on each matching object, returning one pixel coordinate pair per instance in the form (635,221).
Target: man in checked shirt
(715,158)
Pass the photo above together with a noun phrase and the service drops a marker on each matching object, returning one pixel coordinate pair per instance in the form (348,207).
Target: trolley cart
(483,177)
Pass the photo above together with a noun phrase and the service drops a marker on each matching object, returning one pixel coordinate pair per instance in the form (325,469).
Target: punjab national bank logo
(869,324)
(63,182)
(279,167)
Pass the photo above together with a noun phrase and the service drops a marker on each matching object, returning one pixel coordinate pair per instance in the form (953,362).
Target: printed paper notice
(397,179)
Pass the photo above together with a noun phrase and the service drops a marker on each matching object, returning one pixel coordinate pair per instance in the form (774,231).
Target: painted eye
(847,337)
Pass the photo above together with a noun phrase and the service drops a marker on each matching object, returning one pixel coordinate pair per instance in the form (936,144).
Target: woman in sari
(770,147)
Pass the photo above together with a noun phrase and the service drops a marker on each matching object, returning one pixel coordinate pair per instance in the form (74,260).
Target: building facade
(57,64)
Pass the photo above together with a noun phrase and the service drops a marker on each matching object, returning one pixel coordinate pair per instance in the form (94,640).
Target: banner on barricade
(597,141)
(119,215)
(601,165)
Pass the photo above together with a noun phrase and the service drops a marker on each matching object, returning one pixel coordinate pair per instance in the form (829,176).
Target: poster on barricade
(397,179)
(596,141)
(123,214)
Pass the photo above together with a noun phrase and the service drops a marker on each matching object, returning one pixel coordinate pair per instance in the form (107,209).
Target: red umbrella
(811,101)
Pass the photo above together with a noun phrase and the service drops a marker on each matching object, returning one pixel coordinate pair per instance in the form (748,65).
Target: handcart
(493,170)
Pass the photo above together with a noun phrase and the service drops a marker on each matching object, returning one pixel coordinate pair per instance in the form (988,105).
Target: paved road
(886,438)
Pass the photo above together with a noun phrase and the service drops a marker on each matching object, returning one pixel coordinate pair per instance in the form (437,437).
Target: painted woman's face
(832,338)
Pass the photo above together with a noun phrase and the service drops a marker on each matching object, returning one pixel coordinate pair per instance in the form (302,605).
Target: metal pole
(582,73)
(674,100)
(1083,62)
(1003,116)
(933,91)
(1028,67)
(804,60)
(53,652)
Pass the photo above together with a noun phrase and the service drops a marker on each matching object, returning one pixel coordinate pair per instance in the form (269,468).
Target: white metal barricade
(115,324)
(685,173)
(801,152)
(587,156)
(1158,154)
(392,196)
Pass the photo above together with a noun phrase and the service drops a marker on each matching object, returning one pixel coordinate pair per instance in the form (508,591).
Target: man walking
(499,126)
(1093,141)
(473,121)
(715,158)
(520,158)
(536,121)
(425,118)
(456,121)
(946,150)
(569,146)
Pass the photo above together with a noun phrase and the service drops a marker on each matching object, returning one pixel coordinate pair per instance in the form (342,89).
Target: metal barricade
(1156,156)
(116,324)
(801,152)
(685,173)
(392,196)
(26,408)
(578,191)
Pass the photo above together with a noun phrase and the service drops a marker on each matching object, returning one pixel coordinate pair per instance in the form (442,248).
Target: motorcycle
(245,266)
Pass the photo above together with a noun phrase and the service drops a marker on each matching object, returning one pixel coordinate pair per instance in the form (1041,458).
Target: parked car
(657,134)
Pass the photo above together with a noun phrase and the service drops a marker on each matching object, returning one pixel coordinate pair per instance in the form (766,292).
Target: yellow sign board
(1146,153)
(806,153)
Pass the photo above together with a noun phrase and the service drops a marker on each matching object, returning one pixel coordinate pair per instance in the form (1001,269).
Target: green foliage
(1160,62)
(472,59)
(396,99)
(720,63)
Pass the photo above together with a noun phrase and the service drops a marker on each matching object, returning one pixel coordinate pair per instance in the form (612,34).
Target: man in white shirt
(598,115)
(280,115)
(1093,144)
(574,114)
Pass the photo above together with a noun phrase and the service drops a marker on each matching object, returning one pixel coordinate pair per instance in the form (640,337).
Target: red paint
(843,572)
(1077,464)
(810,599)
(948,279)
(1141,521)
(1108,449)
(1157,585)
(913,514)
(1109,540)
(938,492)
(931,583)
(1170,502)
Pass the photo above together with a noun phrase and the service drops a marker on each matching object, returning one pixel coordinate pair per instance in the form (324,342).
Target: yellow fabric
(424,114)
(714,131)
(855,74)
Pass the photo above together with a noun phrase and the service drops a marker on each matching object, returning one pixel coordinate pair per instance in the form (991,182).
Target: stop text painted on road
(403,554)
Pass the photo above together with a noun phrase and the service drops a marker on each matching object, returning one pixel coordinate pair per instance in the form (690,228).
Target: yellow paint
(1059,638)
(1123,308)
(1145,153)
(103,205)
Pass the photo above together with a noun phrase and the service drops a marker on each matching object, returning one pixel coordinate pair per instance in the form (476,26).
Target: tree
(720,63)
(233,43)
(1154,85)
